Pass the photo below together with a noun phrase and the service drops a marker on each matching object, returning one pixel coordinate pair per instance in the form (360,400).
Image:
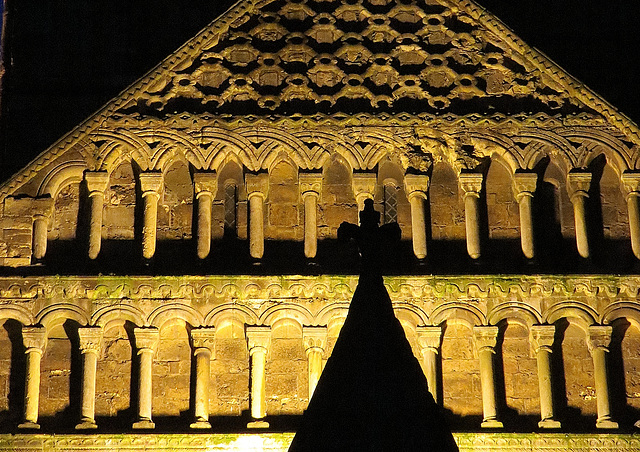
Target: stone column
(310,185)
(471,185)
(524,188)
(146,342)
(257,188)
(315,341)
(202,342)
(599,340)
(430,340)
(541,339)
(205,187)
(364,187)
(90,346)
(258,340)
(97,183)
(151,185)
(485,338)
(416,187)
(41,209)
(631,185)
(579,184)
(34,340)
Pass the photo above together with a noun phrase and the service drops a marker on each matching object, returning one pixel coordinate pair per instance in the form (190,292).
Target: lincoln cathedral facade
(171,265)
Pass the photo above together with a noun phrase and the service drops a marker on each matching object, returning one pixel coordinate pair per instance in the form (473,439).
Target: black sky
(69,57)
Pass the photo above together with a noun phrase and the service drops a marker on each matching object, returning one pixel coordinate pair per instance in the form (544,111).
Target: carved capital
(471,183)
(631,184)
(364,185)
(205,183)
(90,339)
(151,183)
(146,339)
(310,184)
(416,185)
(542,337)
(579,184)
(485,338)
(314,338)
(203,338)
(257,184)
(28,207)
(97,182)
(429,338)
(34,339)
(524,184)
(258,338)
(599,337)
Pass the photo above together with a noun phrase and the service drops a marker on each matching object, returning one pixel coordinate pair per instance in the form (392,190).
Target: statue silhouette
(372,394)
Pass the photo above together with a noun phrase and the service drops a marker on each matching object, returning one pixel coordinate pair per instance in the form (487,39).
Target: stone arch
(411,314)
(459,312)
(333,315)
(172,311)
(615,151)
(18,313)
(495,145)
(575,312)
(109,316)
(175,145)
(513,310)
(289,311)
(233,142)
(57,314)
(121,146)
(62,175)
(621,310)
(547,144)
(230,312)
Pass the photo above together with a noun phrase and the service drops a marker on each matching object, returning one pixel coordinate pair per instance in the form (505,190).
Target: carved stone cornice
(90,339)
(314,338)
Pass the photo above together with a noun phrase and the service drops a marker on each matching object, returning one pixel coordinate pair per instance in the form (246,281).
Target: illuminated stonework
(209,195)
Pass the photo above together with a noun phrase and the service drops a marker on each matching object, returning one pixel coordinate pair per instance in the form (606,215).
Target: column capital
(485,338)
(258,337)
(314,337)
(416,185)
(257,184)
(90,339)
(429,337)
(146,338)
(34,339)
(203,338)
(97,181)
(151,183)
(630,183)
(28,207)
(364,185)
(310,184)
(471,183)
(579,184)
(524,184)
(599,337)
(205,182)
(541,337)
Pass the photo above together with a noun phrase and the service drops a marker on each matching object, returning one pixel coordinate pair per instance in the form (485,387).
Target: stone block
(231,386)
(283,215)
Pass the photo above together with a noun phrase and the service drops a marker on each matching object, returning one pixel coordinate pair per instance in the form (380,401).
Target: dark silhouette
(372,395)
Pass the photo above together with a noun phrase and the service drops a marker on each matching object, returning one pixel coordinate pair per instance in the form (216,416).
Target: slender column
(471,185)
(257,188)
(310,185)
(524,187)
(315,341)
(485,340)
(205,187)
(97,183)
(416,187)
(202,342)
(579,184)
(631,189)
(258,340)
(151,186)
(430,340)
(599,340)
(364,187)
(41,209)
(146,342)
(34,340)
(90,346)
(541,339)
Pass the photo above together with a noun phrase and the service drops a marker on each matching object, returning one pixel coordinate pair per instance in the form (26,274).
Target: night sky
(69,57)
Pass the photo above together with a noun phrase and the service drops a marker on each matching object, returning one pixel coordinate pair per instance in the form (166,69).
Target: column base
(144,424)
(86,425)
(491,423)
(606,424)
(29,425)
(258,424)
(201,423)
(549,423)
